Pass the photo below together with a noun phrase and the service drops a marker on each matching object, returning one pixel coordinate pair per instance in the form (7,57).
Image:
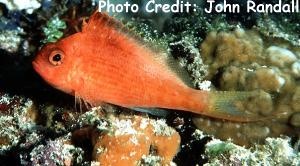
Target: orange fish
(103,64)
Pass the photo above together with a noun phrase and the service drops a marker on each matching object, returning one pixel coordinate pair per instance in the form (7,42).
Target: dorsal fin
(102,22)
(99,20)
(174,67)
(180,72)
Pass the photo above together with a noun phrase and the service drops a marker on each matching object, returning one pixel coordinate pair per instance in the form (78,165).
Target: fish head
(53,64)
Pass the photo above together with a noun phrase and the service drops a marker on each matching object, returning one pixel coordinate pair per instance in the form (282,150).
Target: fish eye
(56,57)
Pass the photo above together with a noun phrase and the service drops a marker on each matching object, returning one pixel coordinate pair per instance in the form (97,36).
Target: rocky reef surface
(42,126)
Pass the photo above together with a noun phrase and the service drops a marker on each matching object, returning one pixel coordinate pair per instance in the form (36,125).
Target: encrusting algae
(132,139)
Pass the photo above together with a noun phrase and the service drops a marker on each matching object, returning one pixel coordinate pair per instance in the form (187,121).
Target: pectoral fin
(152,111)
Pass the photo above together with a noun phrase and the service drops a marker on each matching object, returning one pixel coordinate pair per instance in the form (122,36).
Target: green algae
(54,29)
(217,149)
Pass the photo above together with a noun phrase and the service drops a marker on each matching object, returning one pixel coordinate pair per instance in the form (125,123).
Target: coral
(275,151)
(133,139)
(280,57)
(242,60)
(247,49)
(10,35)
(15,121)
(9,136)
(56,152)
(280,29)
(296,69)
(10,40)
(295,102)
(28,5)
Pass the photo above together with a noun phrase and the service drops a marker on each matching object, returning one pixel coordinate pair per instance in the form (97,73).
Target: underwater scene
(149,82)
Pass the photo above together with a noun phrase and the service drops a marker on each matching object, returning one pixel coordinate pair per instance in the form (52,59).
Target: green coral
(53,29)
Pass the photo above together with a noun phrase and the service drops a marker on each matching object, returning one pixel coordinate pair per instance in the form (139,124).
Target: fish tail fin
(231,105)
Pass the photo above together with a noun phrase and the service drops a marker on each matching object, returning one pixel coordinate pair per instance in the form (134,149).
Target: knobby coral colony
(246,60)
